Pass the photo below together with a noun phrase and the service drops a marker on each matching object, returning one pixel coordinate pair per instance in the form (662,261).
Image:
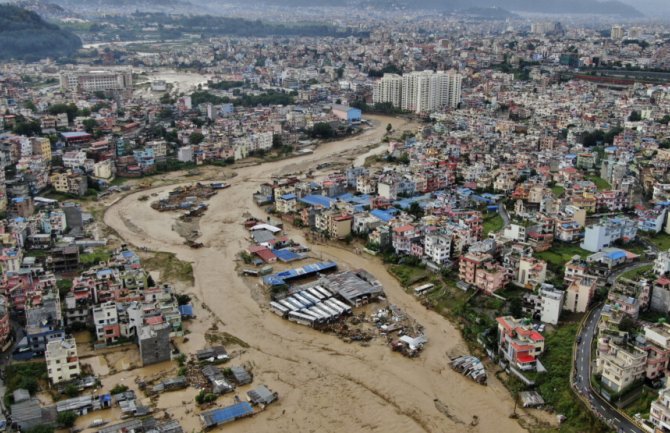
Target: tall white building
(608,231)
(420,92)
(617,32)
(552,304)
(388,89)
(62,360)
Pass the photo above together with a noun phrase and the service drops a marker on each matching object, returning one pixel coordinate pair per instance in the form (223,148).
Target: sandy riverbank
(325,385)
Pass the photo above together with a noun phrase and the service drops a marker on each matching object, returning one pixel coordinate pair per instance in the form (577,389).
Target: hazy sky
(651,7)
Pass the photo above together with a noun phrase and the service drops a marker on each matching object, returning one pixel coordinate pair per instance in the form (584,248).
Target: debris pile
(190,198)
(470,366)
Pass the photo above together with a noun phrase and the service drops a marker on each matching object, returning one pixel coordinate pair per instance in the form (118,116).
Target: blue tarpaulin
(227,414)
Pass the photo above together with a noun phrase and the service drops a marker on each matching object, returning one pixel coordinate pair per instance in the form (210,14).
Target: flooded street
(324,384)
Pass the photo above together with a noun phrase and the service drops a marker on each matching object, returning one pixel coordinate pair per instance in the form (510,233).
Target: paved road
(616,274)
(582,383)
(504,214)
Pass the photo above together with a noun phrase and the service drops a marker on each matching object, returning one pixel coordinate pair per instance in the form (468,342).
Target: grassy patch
(492,223)
(561,253)
(118,181)
(634,247)
(635,274)
(555,385)
(653,316)
(97,256)
(225,339)
(558,190)
(643,403)
(170,267)
(601,183)
(408,275)
(661,240)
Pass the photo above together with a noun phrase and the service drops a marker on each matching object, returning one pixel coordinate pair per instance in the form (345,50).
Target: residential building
(660,295)
(532,272)
(607,232)
(185,154)
(438,248)
(74,159)
(621,366)
(662,263)
(551,304)
(579,293)
(62,360)
(106,322)
(388,90)
(659,413)
(519,343)
(154,342)
(657,346)
(69,183)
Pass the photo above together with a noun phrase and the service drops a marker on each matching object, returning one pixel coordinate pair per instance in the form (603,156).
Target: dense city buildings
(455,182)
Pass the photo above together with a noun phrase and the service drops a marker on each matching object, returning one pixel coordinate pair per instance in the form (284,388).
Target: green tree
(183,299)
(196,138)
(277,141)
(89,125)
(415,210)
(71,391)
(66,419)
(118,389)
(64,287)
(322,130)
(635,116)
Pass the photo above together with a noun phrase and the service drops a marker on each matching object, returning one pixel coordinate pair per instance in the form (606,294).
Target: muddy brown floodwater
(324,384)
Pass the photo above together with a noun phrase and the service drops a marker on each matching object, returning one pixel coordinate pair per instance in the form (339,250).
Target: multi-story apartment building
(657,346)
(388,89)
(106,322)
(62,360)
(438,248)
(519,344)
(532,272)
(552,304)
(621,366)
(69,183)
(579,293)
(420,92)
(608,231)
(659,414)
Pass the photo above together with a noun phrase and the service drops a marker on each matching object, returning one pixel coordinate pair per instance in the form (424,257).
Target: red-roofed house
(518,343)
(402,238)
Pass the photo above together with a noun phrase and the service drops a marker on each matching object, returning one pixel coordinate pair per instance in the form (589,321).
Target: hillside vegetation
(24,35)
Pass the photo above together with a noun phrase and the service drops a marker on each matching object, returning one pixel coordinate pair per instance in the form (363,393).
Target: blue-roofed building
(186,311)
(383,215)
(284,277)
(317,201)
(286,203)
(422,200)
(611,257)
(224,415)
(346,113)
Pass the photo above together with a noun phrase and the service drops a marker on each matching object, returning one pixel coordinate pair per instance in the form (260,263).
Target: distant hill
(24,35)
(610,7)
